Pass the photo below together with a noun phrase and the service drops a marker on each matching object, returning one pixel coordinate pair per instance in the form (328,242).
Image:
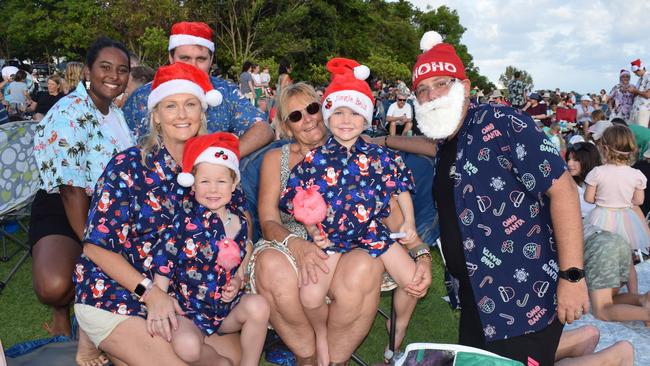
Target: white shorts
(641,117)
(97,323)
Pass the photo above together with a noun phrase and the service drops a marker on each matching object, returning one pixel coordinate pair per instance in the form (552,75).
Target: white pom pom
(430,39)
(361,72)
(185,179)
(213,98)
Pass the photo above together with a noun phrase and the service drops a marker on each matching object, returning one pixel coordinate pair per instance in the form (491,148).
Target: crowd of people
(143,221)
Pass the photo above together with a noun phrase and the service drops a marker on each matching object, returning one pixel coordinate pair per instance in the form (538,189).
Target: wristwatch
(572,274)
(143,287)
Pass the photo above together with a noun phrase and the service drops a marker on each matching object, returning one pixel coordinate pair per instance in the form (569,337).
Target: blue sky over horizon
(576,45)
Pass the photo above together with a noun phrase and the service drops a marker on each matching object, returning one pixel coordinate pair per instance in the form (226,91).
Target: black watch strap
(572,274)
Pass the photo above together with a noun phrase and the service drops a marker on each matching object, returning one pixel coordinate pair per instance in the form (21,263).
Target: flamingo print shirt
(132,204)
(75,141)
(357,185)
(200,260)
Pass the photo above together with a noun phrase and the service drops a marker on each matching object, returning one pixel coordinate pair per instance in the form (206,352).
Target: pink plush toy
(228,257)
(309,207)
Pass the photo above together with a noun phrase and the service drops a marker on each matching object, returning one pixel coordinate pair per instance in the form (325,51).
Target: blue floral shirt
(235,114)
(357,185)
(189,256)
(504,166)
(131,205)
(73,146)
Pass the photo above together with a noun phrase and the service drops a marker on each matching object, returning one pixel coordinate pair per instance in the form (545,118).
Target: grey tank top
(288,220)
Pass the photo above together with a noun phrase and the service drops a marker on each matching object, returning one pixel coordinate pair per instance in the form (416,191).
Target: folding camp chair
(18,184)
(438,354)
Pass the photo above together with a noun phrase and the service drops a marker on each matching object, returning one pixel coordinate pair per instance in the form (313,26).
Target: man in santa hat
(507,300)
(191,43)
(641,108)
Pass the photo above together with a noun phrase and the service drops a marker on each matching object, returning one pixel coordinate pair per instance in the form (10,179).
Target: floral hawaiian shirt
(189,254)
(623,100)
(235,114)
(504,166)
(516,91)
(72,146)
(131,205)
(357,185)
(641,103)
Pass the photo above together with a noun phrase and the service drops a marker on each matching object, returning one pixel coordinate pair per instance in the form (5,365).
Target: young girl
(202,256)
(616,188)
(357,181)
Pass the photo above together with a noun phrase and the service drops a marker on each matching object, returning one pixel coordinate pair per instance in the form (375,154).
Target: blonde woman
(73,72)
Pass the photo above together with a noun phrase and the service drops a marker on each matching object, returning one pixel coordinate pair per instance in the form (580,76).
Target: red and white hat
(221,148)
(179,78)
(348,89)
(637,65)
(437,59)
(191,33)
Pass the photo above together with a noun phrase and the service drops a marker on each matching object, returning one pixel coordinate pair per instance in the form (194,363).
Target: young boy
(203,257)
(357,181)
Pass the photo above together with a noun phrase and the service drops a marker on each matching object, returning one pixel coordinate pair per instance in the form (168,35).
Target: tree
(509,74)
(447,22)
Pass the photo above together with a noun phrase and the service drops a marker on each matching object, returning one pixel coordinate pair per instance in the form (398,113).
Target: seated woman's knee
(361,274)
(273,269)
(311,297)
(187,347)
(54,290)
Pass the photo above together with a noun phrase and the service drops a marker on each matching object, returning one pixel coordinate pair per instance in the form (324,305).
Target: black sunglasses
(296,116)
(401,100)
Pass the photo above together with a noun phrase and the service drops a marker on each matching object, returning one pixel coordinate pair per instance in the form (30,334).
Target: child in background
(596,116)
(204,257)
(357,181)
(616,188)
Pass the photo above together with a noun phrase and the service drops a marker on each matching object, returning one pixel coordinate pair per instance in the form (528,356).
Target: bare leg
(407,128)
(355,294)
(392,128)
(577,342)
(619,354)
(609,306)
(312,298)
(278,283)
(188,344)
(227,345)
(399,265)
(54,258)
(404,307)
(131,343)
(251,316)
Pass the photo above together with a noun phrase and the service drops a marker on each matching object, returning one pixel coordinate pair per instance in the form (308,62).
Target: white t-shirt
(118,129)
(265,77)
(257,80)
(395,111)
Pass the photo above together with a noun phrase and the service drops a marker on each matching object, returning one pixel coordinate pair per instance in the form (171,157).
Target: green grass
(22,316)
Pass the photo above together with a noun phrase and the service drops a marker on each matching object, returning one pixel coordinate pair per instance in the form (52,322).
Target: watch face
(574,274)
(139,290)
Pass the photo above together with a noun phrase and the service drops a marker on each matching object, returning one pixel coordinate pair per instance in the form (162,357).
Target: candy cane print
(534,230)
(487,229)
(509,318)
(523,302)
(486,280)
(500,211)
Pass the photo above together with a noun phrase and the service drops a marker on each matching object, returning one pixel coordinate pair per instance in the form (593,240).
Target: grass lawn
(22,316)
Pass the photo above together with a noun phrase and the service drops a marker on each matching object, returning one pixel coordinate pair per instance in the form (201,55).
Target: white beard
(440,118)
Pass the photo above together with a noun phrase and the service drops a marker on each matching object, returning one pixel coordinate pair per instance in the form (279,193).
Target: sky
(568,44)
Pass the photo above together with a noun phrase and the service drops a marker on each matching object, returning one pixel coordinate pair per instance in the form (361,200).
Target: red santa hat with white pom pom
(437,59)
(348,89)
(221,148)
(191,33)
(182,78)
(637,65)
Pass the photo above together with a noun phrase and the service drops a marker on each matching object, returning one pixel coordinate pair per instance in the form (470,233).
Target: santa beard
(440,118)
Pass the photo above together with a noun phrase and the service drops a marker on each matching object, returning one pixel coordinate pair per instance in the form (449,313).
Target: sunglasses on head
(296,116)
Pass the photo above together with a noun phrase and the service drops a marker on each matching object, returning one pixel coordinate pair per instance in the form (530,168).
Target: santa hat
(437,59)
(637,65)
(179,78)
(221,148)
(348,89)
(191,33)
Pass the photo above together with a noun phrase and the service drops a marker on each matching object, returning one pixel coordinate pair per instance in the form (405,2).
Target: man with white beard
(509,215)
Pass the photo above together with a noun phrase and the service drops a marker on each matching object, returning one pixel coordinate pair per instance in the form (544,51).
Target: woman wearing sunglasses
(277,274)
